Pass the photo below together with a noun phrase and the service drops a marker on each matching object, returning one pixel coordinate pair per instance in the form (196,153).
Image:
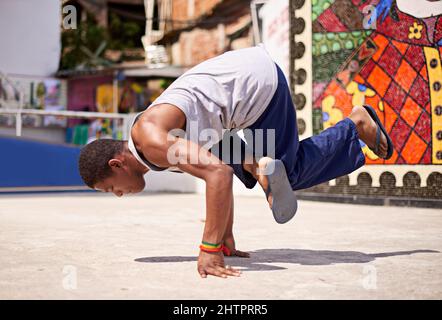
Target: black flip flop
(380,128)
(284,204)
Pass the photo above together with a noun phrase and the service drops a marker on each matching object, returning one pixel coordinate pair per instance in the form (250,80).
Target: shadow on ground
(260,259)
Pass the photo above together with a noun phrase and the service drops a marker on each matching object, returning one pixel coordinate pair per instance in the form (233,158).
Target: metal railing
(68,114)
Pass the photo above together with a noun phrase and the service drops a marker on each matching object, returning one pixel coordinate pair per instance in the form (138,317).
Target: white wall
(275,32)
(238,188)
(30,36)
(55,135)
(183,182)
(169,182)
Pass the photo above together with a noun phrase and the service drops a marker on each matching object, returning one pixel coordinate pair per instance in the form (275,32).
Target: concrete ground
(97,246)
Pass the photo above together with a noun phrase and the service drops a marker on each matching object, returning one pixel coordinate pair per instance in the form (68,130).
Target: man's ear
(115,163)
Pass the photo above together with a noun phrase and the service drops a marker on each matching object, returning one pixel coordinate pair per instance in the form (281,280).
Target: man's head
(107,165)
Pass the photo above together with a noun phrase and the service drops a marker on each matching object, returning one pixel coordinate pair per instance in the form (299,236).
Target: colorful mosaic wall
(385,53)
(393,63)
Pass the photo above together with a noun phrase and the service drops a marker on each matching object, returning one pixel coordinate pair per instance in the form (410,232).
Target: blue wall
(28,163)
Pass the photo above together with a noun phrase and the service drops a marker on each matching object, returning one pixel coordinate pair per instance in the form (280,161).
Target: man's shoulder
(162,117)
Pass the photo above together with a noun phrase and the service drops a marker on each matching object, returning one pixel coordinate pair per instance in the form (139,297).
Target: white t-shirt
(229,91)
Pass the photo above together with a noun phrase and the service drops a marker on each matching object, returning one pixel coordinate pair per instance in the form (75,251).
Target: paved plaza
(97,246)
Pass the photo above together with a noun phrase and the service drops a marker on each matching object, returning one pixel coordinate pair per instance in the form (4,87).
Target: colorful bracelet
(210,247)
(226,251)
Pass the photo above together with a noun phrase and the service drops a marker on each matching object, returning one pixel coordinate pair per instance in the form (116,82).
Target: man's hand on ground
(229,242)
(213,264)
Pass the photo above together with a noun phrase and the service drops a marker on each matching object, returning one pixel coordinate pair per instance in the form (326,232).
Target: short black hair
(94,158)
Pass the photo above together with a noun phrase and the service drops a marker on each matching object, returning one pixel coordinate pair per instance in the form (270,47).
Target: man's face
(124,180)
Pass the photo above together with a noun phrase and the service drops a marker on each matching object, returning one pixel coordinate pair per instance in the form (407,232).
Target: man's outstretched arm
(165,150)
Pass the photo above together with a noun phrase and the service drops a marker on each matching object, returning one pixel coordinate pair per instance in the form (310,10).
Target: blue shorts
(333,153)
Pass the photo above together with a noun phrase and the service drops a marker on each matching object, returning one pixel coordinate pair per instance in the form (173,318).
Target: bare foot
(367,129)
(262,178)
(257,170)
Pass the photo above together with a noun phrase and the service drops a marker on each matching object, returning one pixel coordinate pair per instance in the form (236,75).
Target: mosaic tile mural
(385,53)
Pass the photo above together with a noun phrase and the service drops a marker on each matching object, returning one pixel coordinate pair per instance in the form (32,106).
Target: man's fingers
(232,269)
(219,271)
(229,271)
(232,272)
(202,273)
(242,254)
(216,272)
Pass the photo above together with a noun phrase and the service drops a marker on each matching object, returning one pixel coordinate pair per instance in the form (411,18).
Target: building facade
(196,30)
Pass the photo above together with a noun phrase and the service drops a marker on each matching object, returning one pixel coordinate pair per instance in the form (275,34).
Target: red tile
(393,158)
(415,56)
(390,60)
(401,46)
(399,134)
(395,97)
(381,42)
(410,112)
(423,127)
(367,69)
(420,91)
(379,80)
(405,75)
(400,160)
(359,79)
(331,22)
(424,73)
(413,149)
(426,159)
(389,117)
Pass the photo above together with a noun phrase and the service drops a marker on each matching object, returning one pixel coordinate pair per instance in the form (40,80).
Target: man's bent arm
(190,157)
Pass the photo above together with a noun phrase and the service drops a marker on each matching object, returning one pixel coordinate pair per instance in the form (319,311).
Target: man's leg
(273,136)
(336,152)
(332,153)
